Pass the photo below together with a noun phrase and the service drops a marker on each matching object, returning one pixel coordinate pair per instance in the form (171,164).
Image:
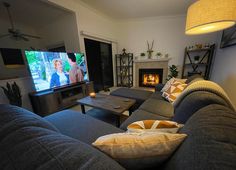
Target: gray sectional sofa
(63,140)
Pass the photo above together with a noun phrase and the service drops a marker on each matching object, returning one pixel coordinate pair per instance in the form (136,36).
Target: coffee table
(114,104)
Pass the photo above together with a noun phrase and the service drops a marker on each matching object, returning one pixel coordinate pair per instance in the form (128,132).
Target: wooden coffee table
(115,105)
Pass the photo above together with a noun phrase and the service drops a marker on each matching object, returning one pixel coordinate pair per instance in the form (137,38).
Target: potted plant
(159,54)
(13,93)
(142,54)
(173,72)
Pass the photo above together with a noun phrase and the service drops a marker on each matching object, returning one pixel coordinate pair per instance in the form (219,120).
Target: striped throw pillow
(174,91)
(154,125)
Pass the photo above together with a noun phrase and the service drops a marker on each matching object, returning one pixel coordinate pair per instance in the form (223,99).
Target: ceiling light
(205,16)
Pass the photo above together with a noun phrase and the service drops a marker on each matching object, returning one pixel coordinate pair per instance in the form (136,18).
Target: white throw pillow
(139,150)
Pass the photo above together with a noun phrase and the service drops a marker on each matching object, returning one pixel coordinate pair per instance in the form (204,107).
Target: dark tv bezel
(54,89)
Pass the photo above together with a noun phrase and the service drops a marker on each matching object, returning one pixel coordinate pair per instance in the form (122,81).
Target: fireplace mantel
(150,64)
(151,60)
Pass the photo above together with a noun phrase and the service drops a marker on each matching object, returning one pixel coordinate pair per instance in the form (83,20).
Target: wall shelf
(201,66)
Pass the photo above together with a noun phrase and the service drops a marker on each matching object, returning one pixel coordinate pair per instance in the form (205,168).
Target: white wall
(7,42)
(88,20)
(100,27)
(224,72)
(26,86)
(167,32)
(63,30)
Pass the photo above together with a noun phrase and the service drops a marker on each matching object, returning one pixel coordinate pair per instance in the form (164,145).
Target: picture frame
(12,58)
(228,37)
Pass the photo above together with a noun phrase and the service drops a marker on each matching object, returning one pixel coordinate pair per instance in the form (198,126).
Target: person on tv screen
(75,73)
(59,78)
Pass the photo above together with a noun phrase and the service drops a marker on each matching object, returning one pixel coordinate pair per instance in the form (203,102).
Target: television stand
(50,101)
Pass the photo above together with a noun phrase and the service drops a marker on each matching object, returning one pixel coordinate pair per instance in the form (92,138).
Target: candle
(93,95)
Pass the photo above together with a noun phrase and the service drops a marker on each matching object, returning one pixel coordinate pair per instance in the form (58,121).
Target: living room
(154,34)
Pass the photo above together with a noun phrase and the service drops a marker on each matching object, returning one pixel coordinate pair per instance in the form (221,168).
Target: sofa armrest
(194,102)
(159,87)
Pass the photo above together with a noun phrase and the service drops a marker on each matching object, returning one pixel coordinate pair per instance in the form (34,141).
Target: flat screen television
(52,70)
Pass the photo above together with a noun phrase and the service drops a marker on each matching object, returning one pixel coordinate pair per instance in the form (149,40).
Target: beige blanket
(204,85)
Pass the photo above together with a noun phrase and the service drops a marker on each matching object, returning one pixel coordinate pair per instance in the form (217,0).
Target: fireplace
(150,77)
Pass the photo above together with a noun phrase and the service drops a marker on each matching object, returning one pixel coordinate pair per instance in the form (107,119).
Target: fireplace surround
(151,64)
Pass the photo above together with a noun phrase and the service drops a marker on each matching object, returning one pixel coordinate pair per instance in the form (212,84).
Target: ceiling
(31,12)
(128,9)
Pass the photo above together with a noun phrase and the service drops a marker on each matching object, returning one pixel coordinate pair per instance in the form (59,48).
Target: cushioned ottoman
(81,126)
(139,95)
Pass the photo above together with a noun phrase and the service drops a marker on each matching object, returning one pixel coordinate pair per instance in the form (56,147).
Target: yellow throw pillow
(154,126)
(174,91)
(132,149)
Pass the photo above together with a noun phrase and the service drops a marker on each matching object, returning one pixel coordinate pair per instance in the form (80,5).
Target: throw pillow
(154,126)
(139,150)
(168,83)
(174,91)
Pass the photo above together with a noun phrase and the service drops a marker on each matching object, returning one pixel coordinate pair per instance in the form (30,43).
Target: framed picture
(228,37)
(12,58)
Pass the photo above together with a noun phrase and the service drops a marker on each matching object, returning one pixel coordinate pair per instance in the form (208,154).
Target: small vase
(149,55)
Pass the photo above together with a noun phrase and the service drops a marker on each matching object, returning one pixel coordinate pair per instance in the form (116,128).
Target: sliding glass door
(99,60)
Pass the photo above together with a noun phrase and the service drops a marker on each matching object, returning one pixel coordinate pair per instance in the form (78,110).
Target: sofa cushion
(211,142)
(141,115)
(157,95)
(194,102)
(80,126)
(159,87)
(13,118)
(132,93)
(40,148)
(159,107)
(139,95)
(27,141)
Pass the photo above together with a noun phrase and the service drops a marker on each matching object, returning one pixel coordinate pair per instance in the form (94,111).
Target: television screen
(55,69)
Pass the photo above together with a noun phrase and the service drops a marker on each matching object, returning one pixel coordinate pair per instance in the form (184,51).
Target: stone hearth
(150,64)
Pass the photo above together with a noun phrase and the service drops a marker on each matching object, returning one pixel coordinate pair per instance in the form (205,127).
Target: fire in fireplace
(150,77)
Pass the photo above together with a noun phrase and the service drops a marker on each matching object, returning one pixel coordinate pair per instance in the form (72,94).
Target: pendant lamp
(205,16)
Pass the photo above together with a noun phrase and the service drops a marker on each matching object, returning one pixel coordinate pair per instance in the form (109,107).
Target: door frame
(101,38)
(112,49)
